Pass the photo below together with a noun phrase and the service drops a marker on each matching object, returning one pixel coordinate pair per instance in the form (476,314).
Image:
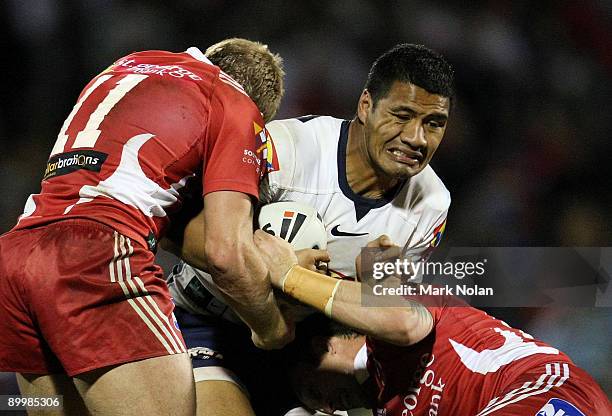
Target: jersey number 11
(90,133)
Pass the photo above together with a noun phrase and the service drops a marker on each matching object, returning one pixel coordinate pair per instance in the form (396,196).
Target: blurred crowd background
(527,154)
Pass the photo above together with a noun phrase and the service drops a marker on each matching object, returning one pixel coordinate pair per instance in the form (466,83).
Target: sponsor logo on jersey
(264,153)
(265,148)
(151,241)
(130,65)
(68,162)
(426,391)
(305,119)
(336,232)
(437,234)
(559,407)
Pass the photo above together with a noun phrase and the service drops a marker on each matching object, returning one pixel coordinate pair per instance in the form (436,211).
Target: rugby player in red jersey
(85,311)
(439,357)
(365,177)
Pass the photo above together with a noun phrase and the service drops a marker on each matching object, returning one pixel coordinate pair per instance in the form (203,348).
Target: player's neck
(361,175)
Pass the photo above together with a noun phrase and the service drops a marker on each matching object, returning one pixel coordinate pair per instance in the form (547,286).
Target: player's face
(327,390)
(404,128)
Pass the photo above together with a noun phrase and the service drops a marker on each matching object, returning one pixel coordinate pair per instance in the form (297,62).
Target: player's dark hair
(301,350)
(414,64)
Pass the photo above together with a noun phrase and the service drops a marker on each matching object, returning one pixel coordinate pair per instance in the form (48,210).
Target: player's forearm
(262,316)
(244,283)
(341,300)
(190,247)
(243,280)
(396,325)
(234,265)
(237,269)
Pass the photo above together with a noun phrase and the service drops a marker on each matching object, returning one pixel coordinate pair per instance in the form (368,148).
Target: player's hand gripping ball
(301,226)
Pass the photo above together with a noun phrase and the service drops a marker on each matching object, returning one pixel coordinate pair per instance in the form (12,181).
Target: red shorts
(554,389)
(76,296)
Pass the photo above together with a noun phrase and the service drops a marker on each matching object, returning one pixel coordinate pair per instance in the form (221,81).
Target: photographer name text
(423,290)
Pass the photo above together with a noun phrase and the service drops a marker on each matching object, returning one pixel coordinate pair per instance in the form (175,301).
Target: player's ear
(364,106)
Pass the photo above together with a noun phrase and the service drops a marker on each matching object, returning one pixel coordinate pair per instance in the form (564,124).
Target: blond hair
(259,71)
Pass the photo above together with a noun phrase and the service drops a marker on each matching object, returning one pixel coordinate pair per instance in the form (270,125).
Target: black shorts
(221,350)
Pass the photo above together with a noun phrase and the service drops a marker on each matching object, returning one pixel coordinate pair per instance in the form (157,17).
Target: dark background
(527,151)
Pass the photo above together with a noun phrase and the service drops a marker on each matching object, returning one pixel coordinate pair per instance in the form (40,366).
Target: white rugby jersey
(311,153)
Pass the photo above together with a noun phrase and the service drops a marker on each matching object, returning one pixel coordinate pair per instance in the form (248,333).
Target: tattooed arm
(396,325)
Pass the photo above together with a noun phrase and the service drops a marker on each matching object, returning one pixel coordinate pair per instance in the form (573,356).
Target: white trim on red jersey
(546,382)
(197,54)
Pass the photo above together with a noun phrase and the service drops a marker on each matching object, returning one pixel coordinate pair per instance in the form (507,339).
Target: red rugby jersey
(467,360)
(139,132)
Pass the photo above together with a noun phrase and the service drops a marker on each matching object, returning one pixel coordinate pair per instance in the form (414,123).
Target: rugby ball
(298,223)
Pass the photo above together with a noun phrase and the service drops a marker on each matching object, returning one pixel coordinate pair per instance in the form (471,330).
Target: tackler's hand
(312,259)
(277,253)
(383,241)
(389,251)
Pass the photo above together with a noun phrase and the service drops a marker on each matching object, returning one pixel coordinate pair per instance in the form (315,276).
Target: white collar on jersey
(360,365)
(197,54)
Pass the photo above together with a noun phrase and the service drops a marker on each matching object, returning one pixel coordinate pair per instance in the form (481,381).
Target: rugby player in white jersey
(366,177)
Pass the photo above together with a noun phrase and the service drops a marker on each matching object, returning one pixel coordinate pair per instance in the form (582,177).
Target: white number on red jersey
(90,133)
(491,360)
